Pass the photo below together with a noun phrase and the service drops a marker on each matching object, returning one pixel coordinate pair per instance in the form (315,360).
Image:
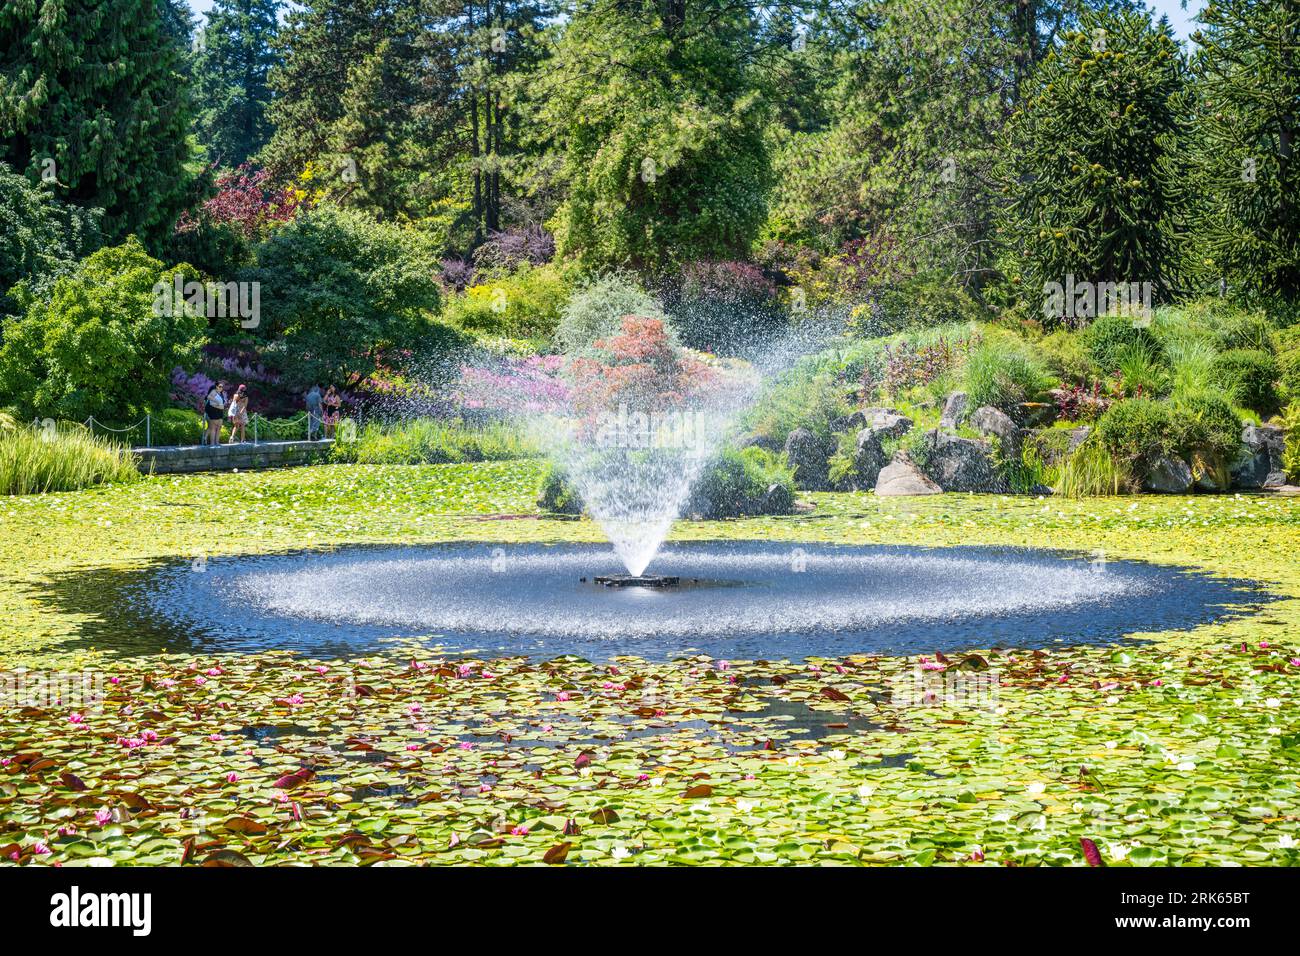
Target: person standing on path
(314,412)
(214,410)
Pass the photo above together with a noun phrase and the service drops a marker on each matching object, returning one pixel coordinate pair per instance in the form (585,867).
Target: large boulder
(887,423)
(809,456)
(954,411)
(961,464)
(868,458)
(765,442)
(902,477)
(989,421)
(1260,465)
(1168,475)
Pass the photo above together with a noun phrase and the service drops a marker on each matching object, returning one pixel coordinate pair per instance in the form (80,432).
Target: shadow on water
(836,600)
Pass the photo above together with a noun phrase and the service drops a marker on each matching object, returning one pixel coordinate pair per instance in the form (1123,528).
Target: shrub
(98,346)
(738,483)
(556,495)
(596,311)
(1137,431)
(1003,373)
(346,289)
(176,426)
(1287,344)
(430,441)
(1249,376)
(1068,358)
(1110,336)
(1140,372)
(34,462)
(1209,434)
(806,397)
(524,303)
(1091,472)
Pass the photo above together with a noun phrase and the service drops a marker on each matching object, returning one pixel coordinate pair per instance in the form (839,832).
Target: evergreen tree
(661,122)
(231,68)
(1086,170)
(1244,169)
(91,102)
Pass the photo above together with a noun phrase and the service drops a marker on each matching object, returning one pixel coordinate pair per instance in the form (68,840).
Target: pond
(746,600)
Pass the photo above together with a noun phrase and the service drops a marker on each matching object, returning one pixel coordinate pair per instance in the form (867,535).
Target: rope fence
(305,423)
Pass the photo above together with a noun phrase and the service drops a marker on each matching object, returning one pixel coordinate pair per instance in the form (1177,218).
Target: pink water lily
(149,735)
(75,718)
(562,695)
(215,737)
(103,816)
(232,777)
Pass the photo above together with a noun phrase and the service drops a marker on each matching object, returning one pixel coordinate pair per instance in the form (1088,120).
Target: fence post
(148,430)
(254,429)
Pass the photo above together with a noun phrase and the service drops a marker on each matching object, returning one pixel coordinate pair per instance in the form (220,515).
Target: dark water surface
(742,600)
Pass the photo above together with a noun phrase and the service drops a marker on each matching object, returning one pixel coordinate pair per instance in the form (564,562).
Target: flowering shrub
(509,248)
(528,301)
(726,281)
(532,384)
(1079,403)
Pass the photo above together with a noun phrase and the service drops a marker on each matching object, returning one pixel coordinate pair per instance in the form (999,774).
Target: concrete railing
(178,459)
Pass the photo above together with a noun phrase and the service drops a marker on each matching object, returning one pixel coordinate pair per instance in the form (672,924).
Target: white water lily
(656,781)
(746,806)
(1036,788)
(836,754)
(1286,842)
(1119,851)
(1112,700)
(1112,744)
(1272,702)
(1187,765)
(865,790)
(620,853)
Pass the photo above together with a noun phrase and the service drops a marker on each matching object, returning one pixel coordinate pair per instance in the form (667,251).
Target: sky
(1180,19)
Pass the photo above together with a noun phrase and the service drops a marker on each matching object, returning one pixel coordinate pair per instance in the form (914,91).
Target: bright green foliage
(91,101)
(1085,172)
(1209,434)
(745,482)
(1092,471)
(1249,376)
(231,92)
(337,288)
(1108,339)
(435,442)
(1003,373)
(524,303)
(1138,431)
(98,346)
(1245,174)
(38,461)
(661,126)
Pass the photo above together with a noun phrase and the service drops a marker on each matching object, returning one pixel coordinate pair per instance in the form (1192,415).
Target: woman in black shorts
(214,410)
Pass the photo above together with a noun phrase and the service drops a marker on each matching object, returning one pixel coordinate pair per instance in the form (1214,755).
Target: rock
(868,459)
(1260,465)
(887,423)
(809,457)
(1168,476)
(778,500)
(961,464)
(991,421)
(954,410)
(1035,414)
(902,477)
(849,423)
(759,441)
(1077,437)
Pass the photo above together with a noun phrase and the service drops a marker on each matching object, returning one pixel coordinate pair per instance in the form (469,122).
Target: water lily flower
(200,681)
(620,853)
(1119,851)
(1295,662)
(103,816)
(642,777)
(464,670)
(835,754)
(484,787)
(1036,788)
(232,777)
(115,680)
(562,695)
(465,745)
(865,790)
(39,848)
(487,676)
(932,666)
(75,718)
(321,669)
(519,831)
(454,841)
(167,682)
(746,806)
(215,737)
(412,746)
(68,829)
(214,672)
(1286,842)
(149,735)
(977,855)
(414,708)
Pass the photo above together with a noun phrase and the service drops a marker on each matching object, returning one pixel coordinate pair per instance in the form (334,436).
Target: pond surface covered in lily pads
(748,600)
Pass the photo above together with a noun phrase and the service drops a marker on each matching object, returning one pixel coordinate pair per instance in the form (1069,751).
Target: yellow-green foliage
(34,461)
(524,303)
(428,441)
